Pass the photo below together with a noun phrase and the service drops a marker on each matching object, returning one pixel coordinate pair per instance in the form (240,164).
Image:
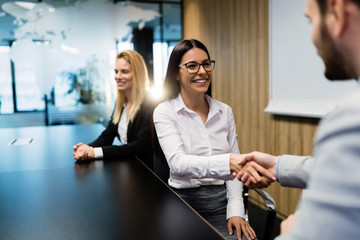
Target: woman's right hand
(256,175)
(235,167)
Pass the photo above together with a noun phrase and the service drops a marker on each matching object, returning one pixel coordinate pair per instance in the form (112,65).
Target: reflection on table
(119,199)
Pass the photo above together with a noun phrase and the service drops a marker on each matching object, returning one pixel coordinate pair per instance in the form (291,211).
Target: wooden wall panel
(236,33)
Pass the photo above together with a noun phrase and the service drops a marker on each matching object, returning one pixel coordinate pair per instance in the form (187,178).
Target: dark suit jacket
(138,137)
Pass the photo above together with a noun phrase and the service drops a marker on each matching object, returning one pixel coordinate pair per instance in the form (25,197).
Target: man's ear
(339,15)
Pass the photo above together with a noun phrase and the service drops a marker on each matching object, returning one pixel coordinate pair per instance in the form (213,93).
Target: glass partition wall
(58,57)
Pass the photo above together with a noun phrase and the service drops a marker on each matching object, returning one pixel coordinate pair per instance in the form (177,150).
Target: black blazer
(138,137)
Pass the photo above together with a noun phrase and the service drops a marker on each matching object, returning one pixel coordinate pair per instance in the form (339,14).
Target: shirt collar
(214,107)
(179,103)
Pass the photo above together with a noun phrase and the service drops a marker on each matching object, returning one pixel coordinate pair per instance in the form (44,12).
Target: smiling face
(123,75)
(194,83)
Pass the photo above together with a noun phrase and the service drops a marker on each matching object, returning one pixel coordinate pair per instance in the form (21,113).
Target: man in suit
(330,206)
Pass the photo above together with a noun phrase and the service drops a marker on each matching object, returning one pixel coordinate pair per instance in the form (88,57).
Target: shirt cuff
(234,194)
(98,152)
(235,208)
(220,167)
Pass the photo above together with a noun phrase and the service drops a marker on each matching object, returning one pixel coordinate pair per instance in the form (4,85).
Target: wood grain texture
(236,33)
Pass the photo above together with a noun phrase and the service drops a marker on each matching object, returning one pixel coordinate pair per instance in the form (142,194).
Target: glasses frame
(212,64)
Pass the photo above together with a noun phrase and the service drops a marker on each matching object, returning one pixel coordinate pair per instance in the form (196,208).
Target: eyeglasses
(193,67)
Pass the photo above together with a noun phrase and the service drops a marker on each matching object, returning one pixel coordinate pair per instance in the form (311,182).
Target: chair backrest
(161,167)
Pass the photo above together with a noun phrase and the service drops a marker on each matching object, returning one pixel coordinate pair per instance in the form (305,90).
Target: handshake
(255,170)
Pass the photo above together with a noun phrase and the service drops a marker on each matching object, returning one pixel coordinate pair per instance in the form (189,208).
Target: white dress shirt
(123,126)
(198,153)
(122,130)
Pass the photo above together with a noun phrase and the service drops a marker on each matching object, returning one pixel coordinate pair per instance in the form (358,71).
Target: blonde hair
(139,83)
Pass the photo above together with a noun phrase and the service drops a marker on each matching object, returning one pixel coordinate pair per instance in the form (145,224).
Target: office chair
(270,210)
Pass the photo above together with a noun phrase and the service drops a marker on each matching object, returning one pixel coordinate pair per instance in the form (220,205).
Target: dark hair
(323,5)
(171,85)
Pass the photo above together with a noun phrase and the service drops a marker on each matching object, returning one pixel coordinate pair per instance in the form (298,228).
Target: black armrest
(271,212)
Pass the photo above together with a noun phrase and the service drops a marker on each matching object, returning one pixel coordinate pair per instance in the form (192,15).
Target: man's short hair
(323,5)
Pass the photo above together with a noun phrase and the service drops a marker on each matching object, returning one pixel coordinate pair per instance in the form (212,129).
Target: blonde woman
(131,119)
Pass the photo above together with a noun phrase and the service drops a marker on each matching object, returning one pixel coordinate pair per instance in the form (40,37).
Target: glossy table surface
(119,199)
(51,147)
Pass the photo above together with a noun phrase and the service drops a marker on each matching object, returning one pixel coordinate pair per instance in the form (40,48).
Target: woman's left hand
(241,226)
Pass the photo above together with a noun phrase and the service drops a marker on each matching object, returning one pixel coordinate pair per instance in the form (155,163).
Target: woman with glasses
(131,119)
(197,135)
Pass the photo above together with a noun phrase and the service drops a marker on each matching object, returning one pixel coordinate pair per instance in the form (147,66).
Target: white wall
(297,82)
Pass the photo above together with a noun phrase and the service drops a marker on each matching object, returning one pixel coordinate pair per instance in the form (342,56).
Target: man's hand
(255,176)
(288,224)
(265,160)
(259,170)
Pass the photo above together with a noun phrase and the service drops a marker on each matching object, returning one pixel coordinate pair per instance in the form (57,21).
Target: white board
(298,86)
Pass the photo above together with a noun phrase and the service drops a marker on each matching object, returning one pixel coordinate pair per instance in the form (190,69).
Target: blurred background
(57,56)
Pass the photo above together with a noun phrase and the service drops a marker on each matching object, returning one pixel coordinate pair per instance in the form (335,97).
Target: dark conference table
(45,194)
